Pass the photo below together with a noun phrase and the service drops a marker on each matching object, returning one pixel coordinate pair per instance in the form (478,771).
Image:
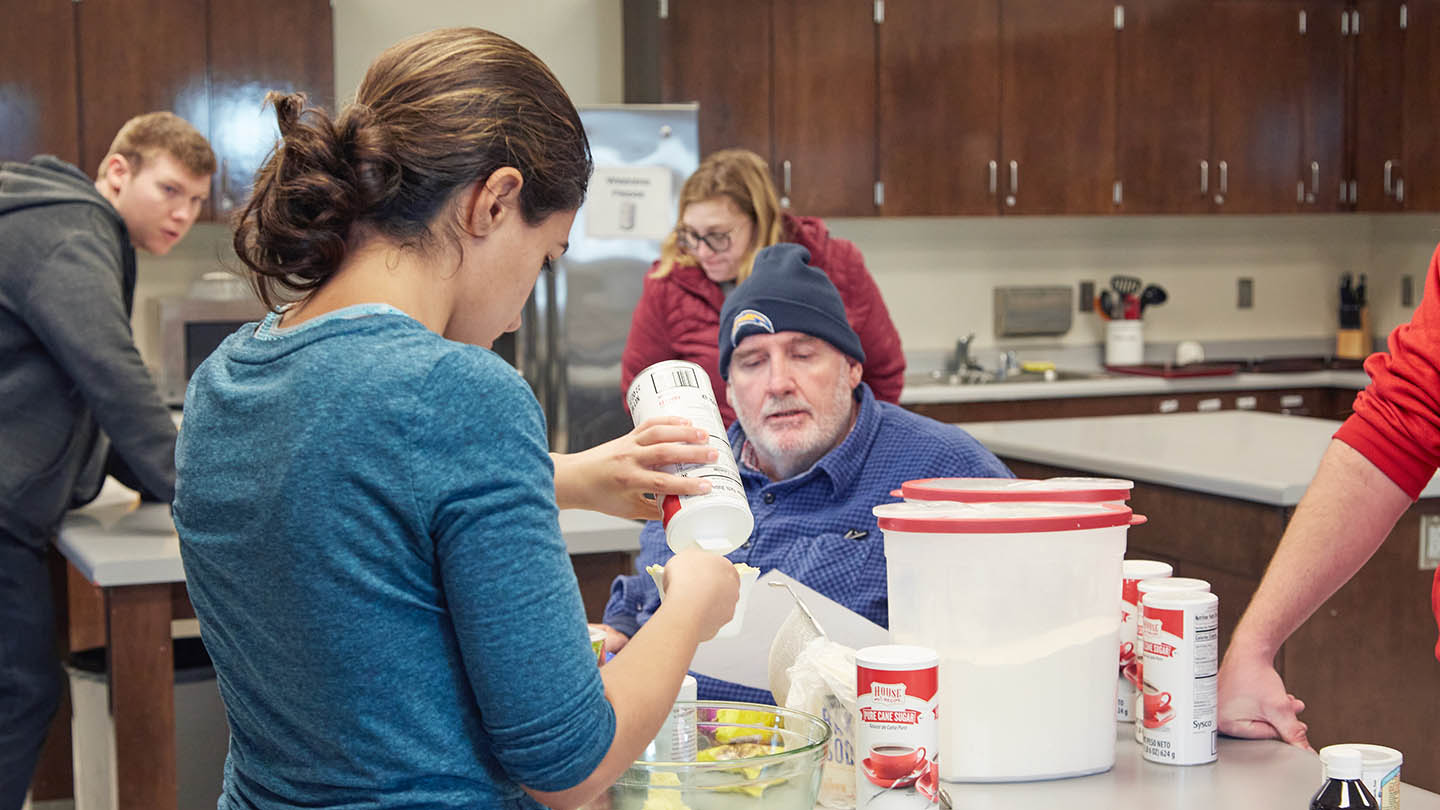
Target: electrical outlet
(1245,293)
(1407,290)
(1087,296)
(1429,542)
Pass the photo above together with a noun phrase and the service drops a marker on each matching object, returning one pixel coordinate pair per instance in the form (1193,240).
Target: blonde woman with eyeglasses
(728,212)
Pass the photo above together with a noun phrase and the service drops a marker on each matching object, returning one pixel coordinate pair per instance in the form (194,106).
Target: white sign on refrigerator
(630,202)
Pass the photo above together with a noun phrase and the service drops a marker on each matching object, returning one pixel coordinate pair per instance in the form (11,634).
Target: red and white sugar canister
(897,730)
(1168,585)
(1179,721)
(1129,684)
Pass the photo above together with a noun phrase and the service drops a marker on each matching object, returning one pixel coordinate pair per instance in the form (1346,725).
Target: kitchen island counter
(1263,457)
(1109,385)
(1249,773)
(112,541)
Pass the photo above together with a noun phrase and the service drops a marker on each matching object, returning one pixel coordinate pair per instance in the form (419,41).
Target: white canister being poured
(720,520)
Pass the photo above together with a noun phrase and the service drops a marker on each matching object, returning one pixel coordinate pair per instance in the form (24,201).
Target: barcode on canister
(674,378)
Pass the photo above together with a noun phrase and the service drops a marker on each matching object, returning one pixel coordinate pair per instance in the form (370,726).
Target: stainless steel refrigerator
(569,345)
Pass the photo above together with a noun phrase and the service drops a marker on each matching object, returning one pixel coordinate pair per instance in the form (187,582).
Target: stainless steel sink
(988,378)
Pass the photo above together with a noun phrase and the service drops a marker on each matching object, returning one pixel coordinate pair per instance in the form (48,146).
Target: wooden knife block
(1355,344)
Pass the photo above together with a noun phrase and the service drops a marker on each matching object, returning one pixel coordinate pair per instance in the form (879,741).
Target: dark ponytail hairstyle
(434,113)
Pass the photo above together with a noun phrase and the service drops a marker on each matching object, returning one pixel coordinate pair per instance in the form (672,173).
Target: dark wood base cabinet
(1364,663)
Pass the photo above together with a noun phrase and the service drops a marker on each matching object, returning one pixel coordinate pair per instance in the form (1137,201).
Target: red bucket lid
(1002,518)
(990,490)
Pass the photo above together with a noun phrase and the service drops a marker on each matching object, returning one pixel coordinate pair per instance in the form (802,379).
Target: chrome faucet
(961,364)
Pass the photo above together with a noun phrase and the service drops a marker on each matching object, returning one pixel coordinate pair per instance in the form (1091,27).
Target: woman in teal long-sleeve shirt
(366,508)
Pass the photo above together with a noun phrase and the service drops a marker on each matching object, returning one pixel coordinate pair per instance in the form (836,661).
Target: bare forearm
(641,683)
(1347,512)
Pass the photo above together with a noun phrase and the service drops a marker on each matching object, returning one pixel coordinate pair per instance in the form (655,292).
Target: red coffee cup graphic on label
(1127,654)
(1157,707)
(892,761)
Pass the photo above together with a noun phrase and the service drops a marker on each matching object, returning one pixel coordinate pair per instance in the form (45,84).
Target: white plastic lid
(1001,518)
(1177,599)
(979,490)
(1145,586)
(896,656)
(719,525)
(1146,569)
(1375,756)
(1342,762)
(689,689)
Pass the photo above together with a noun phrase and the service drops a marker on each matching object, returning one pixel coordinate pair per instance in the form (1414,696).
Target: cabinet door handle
(1014,177)
(786,164)
(1389,188)
(1204,177)
(994,171)
(1224,177)
(1314,179)
(225,202)
(785,184)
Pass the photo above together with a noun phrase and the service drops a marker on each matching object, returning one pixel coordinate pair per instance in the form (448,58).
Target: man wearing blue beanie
(816,450)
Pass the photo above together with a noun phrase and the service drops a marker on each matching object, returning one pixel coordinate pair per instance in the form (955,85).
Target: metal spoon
(800,604)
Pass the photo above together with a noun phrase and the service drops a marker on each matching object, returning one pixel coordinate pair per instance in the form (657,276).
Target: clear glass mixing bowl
(748,756)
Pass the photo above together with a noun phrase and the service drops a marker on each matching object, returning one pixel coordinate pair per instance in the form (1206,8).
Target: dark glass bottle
(1343,788)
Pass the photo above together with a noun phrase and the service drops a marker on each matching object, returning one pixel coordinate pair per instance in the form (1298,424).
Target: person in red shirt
(1375,467)
(728,212)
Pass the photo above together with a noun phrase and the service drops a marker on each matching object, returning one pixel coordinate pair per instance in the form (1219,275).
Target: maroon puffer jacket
(678,317)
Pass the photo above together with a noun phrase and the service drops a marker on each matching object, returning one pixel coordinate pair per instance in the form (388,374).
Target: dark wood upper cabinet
(1323,160)
(1417,184)
(138,56)
(1057,119)
(939,122)
(38,107)
(1379,105)
(824,106)
(718,54)
(1258,74)
(1081,106)
(1163,137)
(257,46)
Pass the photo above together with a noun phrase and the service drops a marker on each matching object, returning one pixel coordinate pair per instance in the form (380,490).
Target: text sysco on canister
(1179,721)
(896,730)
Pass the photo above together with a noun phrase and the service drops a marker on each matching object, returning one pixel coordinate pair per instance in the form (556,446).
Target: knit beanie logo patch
(757,321)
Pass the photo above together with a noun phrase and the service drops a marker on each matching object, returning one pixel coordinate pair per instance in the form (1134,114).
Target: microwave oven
(184,331)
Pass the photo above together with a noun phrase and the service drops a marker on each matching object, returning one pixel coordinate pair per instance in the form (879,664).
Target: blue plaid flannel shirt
(817,527)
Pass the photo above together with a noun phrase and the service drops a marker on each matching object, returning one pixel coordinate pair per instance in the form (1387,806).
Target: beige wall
(937,273)
(578,39)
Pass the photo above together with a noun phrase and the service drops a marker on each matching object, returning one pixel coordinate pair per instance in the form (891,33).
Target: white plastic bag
(822,682)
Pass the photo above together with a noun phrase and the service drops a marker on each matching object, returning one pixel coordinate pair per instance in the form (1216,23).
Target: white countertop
(1253,456)
(1122,384)
(1249,773)
(115,540)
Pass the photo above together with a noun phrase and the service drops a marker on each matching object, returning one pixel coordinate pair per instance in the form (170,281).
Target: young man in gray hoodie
(72,385)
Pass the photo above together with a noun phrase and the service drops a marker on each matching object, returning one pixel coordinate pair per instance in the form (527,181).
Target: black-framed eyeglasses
(689,240)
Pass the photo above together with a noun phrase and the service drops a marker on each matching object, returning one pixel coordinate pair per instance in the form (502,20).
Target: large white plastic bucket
(1019,601)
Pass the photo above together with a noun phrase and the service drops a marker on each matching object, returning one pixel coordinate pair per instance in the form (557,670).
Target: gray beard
(790,458)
